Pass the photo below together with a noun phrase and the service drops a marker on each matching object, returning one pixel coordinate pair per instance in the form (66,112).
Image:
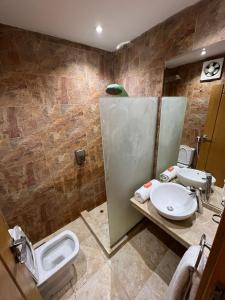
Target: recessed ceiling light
(99,29)
(203,52)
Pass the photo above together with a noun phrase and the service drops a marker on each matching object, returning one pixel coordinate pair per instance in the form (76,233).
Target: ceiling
(195,55)
(75,20)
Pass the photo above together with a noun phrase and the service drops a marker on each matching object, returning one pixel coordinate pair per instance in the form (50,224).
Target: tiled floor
(97,220)
(140,270)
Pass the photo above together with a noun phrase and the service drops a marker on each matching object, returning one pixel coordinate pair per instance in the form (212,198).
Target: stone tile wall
(49,91)
(198,94)
(140,67)
(49,94)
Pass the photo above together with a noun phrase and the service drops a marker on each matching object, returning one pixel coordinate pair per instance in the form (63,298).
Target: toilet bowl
(51,262)
(55,254)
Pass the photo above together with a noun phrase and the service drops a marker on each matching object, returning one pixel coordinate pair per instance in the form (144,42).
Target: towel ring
(216,218)
(203,245)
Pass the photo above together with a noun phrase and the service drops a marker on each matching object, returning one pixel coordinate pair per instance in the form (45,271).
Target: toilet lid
(16,233)
(31,261)
(185,155)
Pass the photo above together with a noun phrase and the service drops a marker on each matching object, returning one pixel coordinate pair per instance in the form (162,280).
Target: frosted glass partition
(170,131)
(128,135)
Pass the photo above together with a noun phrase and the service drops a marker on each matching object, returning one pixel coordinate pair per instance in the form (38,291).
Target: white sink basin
(192,177)
(173,201)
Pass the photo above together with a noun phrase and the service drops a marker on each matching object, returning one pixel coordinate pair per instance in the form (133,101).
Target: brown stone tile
(179,32)
(210,25)
(197,93)
(13,90)
(13,130)
(49,94)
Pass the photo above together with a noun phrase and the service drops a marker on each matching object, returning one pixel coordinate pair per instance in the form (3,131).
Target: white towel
(185,281)
(143,193)
(169,174)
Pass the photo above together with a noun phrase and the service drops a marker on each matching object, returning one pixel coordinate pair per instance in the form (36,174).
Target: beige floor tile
(97,286)
(167,266)
(154,289)
(151,249)
(102,232)
(117,291)
(69,295)
(99,223)
(130,269)
(100,214)
(88,261)
(141,269)
(102,285)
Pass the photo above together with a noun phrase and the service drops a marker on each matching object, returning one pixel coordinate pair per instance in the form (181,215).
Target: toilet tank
(186,155)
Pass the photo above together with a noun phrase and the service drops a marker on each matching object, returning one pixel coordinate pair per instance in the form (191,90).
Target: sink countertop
(215,200)
(187,232)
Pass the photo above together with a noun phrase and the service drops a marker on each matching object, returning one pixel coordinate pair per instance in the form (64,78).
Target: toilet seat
(55,254)
(52,256)
(50,263)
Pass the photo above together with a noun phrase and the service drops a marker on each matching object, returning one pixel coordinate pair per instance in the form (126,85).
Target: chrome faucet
(199,200)
(208,186)
(197,193)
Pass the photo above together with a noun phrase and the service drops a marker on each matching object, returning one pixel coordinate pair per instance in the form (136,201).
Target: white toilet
(185,157)
(51,262)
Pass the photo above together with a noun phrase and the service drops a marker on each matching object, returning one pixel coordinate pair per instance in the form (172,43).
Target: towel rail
(203,243)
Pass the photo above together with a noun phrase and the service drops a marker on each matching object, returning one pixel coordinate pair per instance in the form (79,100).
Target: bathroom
(73,152)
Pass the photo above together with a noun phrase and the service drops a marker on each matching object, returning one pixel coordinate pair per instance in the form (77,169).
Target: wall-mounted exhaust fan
(212,69)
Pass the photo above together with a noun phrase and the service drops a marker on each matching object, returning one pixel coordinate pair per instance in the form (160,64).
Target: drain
(101,211)
(170,208)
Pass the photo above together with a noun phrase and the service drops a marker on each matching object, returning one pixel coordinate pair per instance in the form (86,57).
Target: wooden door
(212,152)
(16,282)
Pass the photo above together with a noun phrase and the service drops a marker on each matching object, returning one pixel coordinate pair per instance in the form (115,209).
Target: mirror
(200,77)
